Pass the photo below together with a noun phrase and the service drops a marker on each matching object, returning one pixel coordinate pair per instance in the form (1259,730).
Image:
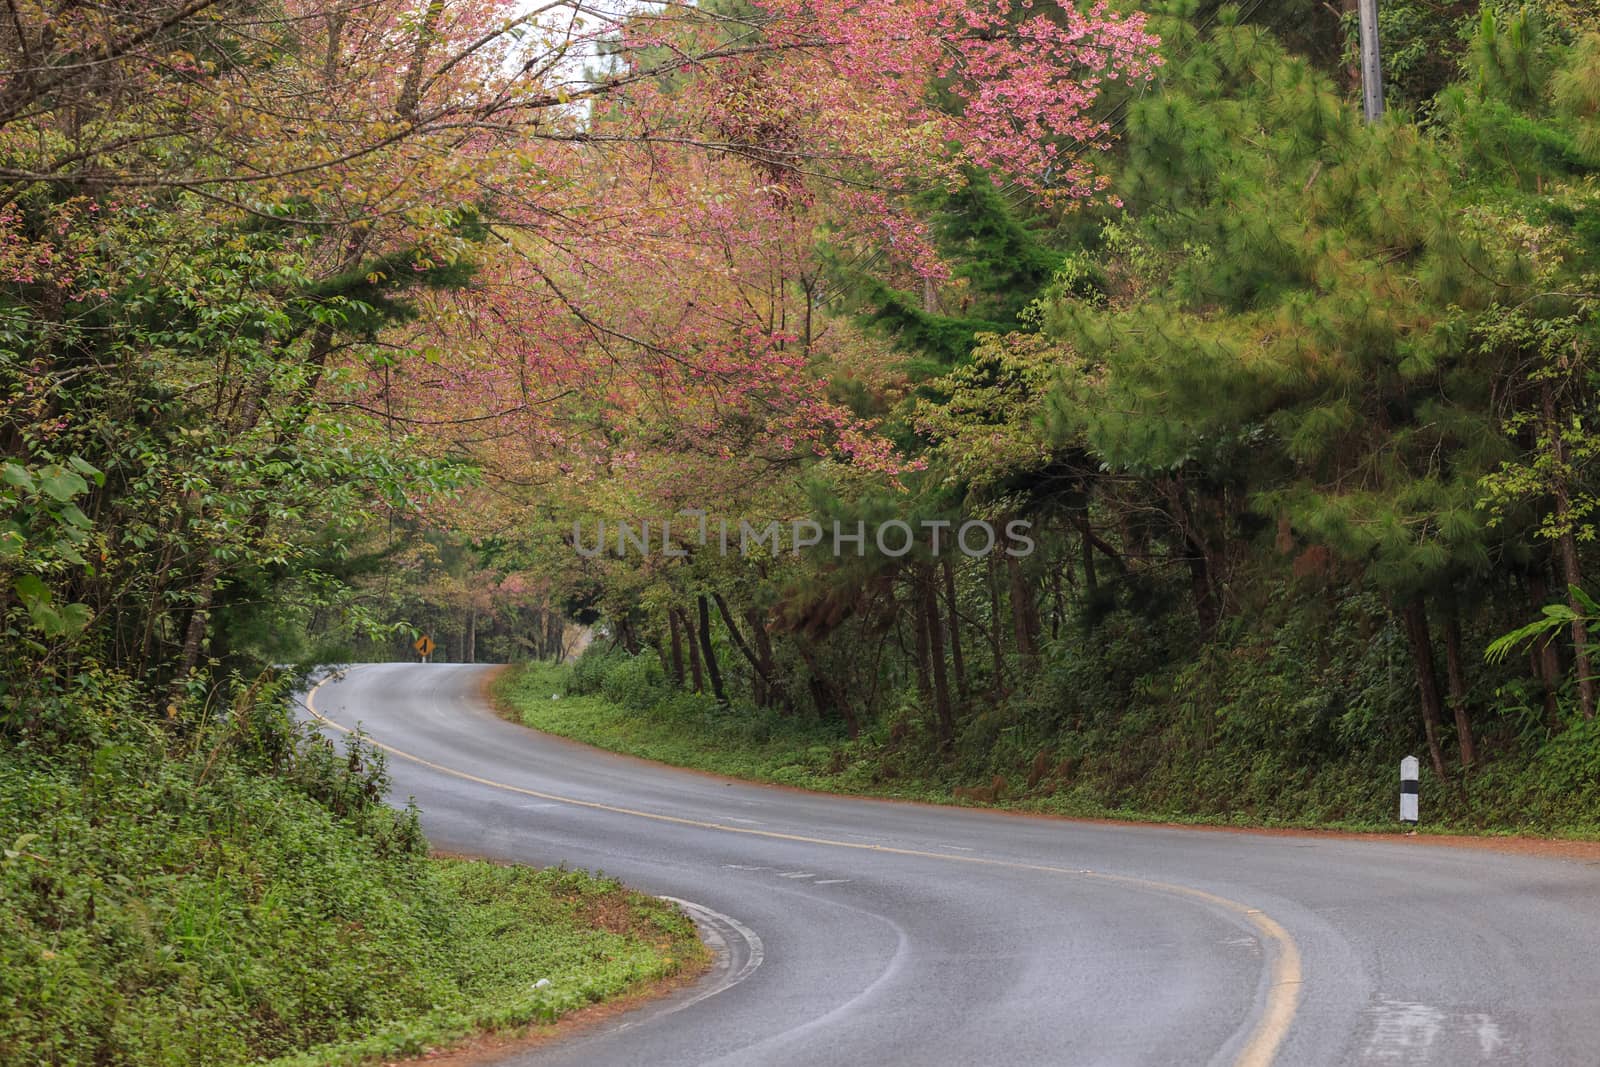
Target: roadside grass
(684,730)
(513,927)
(1097,781)
(163,910)
(692,731)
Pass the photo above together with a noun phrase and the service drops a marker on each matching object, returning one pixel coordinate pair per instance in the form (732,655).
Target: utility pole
(1371,62)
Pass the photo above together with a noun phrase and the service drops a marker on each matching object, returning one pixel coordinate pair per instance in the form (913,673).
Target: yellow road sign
(424,646)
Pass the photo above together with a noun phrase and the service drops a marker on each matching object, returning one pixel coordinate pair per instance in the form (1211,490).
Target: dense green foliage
(178,908)
(1302,421)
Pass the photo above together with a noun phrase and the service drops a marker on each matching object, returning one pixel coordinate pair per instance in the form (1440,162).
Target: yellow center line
(1283,986)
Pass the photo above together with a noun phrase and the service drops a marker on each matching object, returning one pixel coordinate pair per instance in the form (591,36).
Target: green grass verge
(512,927)
(688,730)
(159,911)
(692,731)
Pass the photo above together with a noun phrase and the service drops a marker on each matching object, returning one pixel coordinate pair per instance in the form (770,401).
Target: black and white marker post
(1408,790)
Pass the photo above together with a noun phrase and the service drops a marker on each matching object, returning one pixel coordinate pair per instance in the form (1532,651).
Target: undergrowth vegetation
(1299,718)
(166,902)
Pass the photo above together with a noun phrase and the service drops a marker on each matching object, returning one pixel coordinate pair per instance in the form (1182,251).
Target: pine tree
(1295,326)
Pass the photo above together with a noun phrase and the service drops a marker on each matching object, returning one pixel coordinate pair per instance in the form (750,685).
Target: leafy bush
(635,682)
(590,670)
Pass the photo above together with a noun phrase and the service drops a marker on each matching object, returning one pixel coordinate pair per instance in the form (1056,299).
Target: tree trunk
(1352,69)
(769,666)
(1058,602)
(1197,557)
(1544,656)
(626,636)
(941,683)
(1455,679)
(824,693)
(1571,572)
(248,414)
(1205,601)
(695,670)
(1091,581)
(762,679)
(1024,612)
(1415,618)
(406,105)
(677,647)
(195,633)
(1092,540)
(996,649)
(956,659)
(919,617)
(708,653)
(554,631)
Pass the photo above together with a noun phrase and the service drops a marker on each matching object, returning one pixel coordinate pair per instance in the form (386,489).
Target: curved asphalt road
(861,932)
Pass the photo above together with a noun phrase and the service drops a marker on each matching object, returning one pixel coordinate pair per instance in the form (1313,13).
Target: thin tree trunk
(761,678)
(1024,612)
(956,659)
(554,632)
(1455,679)
(1352,69)
(1544,655)
(330,55)
(919,618)
(695,670)
(1415,618)
(249,413)
(1094,541)
(627,637)
(823,692)
(1571,572)
(708,653)
(1205,601)
(996,648)
(941,682)
(410,89)
(769,666)
(1058,602)
(1197,557)
(1091,580)
(677,647)
(195,633)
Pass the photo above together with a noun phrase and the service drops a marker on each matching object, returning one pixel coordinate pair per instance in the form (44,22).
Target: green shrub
(588,673)
(635,682)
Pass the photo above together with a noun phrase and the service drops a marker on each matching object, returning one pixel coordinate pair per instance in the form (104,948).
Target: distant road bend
(862,932)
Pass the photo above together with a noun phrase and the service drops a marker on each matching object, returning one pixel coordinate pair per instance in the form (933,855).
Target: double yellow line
(1283,983)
